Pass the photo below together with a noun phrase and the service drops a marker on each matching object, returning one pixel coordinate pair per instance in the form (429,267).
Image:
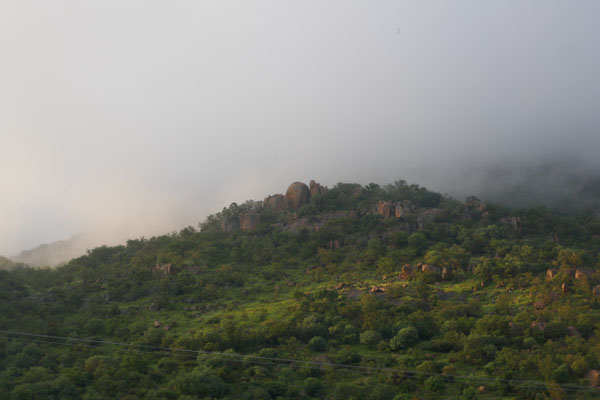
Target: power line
(273,361)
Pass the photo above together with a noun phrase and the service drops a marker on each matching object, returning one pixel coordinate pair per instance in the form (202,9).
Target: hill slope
(372,292)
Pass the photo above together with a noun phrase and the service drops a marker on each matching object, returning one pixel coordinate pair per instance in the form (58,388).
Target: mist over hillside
(566,185)
(181,108)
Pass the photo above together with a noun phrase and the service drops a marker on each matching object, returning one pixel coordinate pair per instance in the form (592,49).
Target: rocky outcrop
(515,222)
(551,273)
(316,189)
(431,269)
(445,273)
(593,377)
(584,273)
(385,208)
(408,272)
(164,269)
(249,221)
(335,244)
(297,195)
(403,209)
(377,289)
(276,202)
(427,216)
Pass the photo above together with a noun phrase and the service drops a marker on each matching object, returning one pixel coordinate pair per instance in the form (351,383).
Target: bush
(406,337)
(313,387)
(317,343)
(370,337)
(469,393)
(561,374)
(434,384)
(200,383)
(348,356)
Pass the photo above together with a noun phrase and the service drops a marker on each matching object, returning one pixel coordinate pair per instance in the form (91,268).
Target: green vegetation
(285,310)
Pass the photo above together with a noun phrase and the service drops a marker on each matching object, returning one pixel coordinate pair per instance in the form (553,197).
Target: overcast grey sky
(130,118)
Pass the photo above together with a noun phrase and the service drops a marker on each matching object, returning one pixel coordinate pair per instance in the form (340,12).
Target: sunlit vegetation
(276,313)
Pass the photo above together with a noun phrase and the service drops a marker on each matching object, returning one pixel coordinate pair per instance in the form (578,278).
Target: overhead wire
(277,361)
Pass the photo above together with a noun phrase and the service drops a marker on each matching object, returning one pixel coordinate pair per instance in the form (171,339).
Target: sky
(122,119)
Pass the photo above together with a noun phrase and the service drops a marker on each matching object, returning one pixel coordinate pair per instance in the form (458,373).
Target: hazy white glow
(132,118)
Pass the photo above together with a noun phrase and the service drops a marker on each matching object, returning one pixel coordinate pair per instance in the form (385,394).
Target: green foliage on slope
(285,311)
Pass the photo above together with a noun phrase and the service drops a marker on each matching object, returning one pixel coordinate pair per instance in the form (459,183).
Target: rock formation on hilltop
(400,209)
(249,221)
(385,208)
(276,202)
(316,189)
(297,195)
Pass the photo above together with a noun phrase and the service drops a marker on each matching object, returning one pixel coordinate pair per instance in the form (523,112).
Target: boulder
(515,222)
(249,221)
(276,202)
(408,271)
(593,377)
(335,244)
(464,212)
(581,273)
(573,331)
(377,289)
(551,273)
(403,209)
(316,188)
(385,208)
(431,269)
(445,273)
(164,269)
(297,195)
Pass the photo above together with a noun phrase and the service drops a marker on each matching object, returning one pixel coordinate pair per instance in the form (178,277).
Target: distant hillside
(351,292)
(52,254)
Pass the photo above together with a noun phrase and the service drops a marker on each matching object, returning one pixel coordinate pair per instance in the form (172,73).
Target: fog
(127,119)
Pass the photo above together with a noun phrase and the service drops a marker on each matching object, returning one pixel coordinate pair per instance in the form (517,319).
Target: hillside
(364,292)
(51,254)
